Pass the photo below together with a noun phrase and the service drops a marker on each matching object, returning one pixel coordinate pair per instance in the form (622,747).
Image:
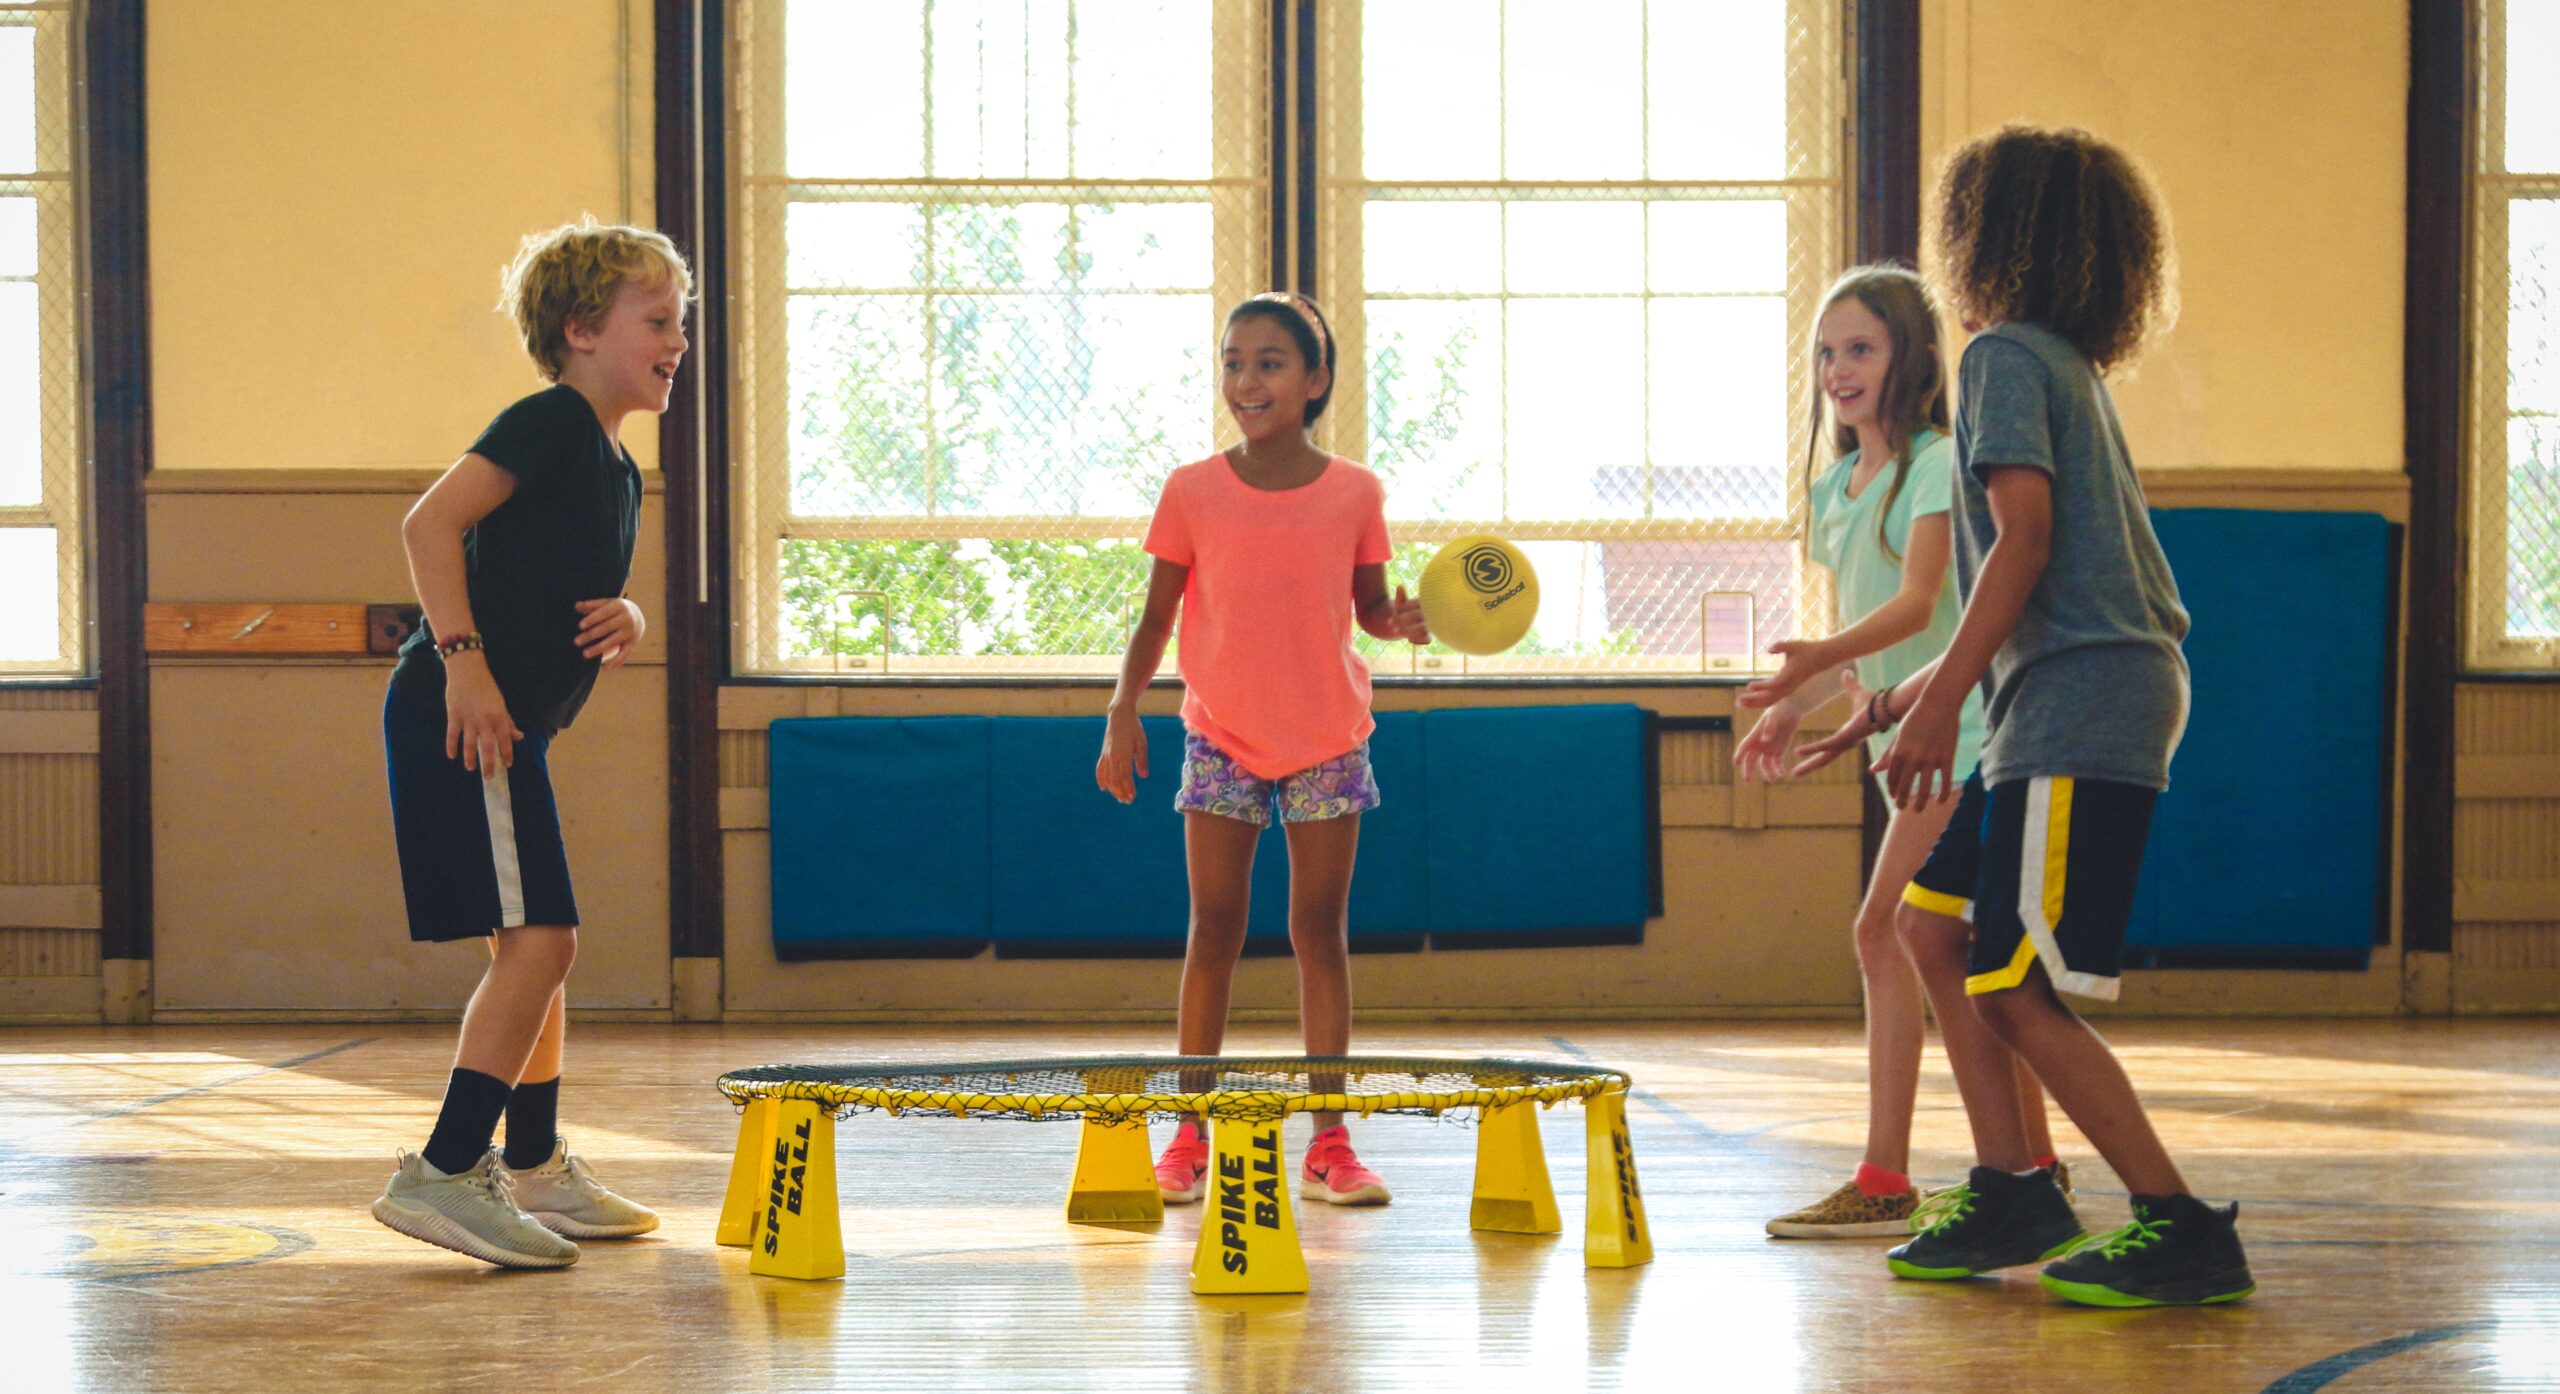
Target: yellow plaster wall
(334,188)
(2277,134)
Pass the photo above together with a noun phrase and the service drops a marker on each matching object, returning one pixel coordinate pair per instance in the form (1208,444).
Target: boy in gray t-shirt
(2090,683)
(2072,625)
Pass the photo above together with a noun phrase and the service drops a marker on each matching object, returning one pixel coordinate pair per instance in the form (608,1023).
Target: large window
(43,536)
(2513,556)
(983,248)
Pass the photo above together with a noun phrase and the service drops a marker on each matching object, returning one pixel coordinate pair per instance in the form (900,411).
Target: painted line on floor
(60,1125)
(2321,1373)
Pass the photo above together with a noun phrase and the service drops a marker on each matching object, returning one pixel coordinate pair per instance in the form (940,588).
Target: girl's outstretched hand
(1124,749)
(1405,615)
(1813,755)
(1765,754)
(1804,659)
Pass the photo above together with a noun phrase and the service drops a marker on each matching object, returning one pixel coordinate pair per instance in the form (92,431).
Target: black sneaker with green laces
(2178,1252)
(1997,1219)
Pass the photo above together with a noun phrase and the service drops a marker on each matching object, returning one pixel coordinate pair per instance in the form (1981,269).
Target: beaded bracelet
(1880,715)
(448,647)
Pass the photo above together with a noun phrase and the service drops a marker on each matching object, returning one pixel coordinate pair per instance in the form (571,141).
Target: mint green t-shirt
(1845,538)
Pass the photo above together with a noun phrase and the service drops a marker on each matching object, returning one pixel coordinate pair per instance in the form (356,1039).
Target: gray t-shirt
(2091,683)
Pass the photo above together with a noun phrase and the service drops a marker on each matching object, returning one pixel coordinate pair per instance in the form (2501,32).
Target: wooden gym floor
(183,1208)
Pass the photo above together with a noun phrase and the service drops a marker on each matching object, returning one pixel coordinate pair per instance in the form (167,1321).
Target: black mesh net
(1132,1089)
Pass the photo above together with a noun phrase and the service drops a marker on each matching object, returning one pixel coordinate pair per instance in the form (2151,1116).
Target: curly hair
(569,275)
(2058,228)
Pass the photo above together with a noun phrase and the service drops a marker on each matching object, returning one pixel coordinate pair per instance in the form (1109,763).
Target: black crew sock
(533,1124)
(472,1103)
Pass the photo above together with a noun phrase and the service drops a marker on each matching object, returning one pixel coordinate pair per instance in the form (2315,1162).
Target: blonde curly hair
(569,275)
(2058,228)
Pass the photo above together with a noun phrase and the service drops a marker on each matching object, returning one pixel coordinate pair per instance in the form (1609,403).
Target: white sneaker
(565,1198)
(470,1213)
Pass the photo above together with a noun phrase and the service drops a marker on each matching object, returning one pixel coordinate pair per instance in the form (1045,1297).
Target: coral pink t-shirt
(1266,654)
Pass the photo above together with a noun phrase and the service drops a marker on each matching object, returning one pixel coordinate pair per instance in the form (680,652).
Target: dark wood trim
(693,457)
(2440,99)
(1282,80)
(1888,130)
(1301,170)
(116,186)
(1887,44)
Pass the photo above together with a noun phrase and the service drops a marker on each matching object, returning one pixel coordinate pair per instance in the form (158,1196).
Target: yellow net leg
(743,1204)
(1513,1194)
(1248,1234)
(1115,1179)
(799,1235)
(1613,1229)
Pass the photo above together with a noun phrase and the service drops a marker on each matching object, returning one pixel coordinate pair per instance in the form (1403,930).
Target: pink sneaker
(1185,1161)
(1334,1175)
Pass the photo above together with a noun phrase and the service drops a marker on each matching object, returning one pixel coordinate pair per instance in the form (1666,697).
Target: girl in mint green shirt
(1880,524)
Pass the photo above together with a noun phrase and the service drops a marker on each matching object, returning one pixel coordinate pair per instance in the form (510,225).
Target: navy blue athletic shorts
(2044,869)
(475,854)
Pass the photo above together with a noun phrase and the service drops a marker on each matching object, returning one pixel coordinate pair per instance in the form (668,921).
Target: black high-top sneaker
(2178,1251)
(1995,1220)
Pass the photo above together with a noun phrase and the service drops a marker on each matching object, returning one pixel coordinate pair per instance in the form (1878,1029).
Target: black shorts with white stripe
(2045,869)
(475,854)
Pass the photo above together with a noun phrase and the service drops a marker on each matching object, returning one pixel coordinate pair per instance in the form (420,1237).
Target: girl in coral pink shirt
(1269,551)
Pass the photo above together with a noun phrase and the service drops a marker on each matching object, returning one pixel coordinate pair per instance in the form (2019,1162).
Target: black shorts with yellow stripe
(2045,871)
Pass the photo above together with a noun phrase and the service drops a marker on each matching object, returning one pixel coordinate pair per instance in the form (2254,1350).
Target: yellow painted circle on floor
(100,1244)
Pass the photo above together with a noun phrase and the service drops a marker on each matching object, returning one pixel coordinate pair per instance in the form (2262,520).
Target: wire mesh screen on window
(2514,536)
(42,536)
(984,248)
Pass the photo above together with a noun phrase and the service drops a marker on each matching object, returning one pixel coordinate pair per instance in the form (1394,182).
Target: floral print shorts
(1212,782)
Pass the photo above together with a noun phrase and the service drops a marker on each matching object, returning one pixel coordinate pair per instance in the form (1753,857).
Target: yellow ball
(1479,595)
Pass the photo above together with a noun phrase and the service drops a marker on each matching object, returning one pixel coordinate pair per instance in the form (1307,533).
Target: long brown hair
(1915,382)
(2060,229)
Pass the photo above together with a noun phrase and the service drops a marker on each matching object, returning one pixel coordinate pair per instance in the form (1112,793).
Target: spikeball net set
(781,1202)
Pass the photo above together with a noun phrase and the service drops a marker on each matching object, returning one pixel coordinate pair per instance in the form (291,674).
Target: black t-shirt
(563,536)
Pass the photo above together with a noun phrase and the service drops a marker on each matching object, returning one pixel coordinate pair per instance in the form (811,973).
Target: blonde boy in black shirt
(519,554)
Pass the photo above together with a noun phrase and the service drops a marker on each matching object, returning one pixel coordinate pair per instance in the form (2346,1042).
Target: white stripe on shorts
(500,803)
(2034,846)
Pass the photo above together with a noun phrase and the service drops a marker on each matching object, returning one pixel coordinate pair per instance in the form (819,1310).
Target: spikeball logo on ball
(1479,595)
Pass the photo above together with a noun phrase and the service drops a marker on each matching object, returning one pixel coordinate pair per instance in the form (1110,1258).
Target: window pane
(17,100)
(1575,247)
(1435,406)
(2533,528)
(999,246)
(1427,248)
(1145,245)
(1723,246)
(1142,90)
(17,237)
(989,598)
(840,126)
(1573,89)
(1719,407)
(1575,398)
(2533,305)
(2533,100)
(1717,98)
(31,623)
(1431,89)
(1071,405)
(859,409)
(21,422)
(870,246)
(999,89)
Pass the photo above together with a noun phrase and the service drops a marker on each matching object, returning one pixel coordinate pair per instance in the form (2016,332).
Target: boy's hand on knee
(477,728)
(611,630)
